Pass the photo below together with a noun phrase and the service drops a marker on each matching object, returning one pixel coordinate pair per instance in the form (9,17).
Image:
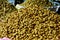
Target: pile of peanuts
(32,23)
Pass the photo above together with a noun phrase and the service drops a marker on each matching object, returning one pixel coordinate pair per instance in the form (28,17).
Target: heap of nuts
(31,23)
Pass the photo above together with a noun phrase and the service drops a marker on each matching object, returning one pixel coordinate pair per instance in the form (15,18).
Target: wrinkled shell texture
(32,23)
